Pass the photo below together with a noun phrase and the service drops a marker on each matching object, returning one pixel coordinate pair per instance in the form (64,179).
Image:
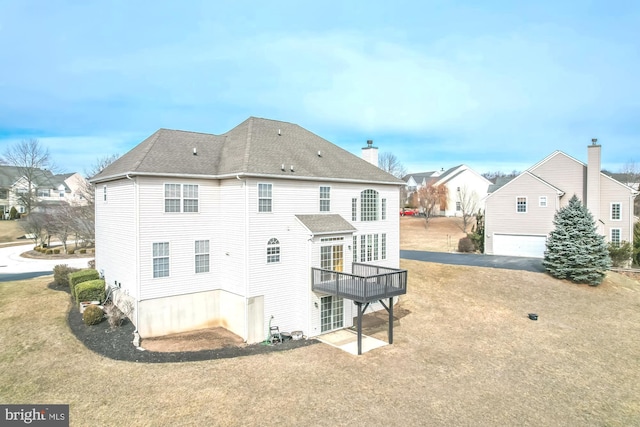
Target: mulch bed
(117,343)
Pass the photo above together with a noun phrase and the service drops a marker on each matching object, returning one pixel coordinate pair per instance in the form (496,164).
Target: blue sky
(438,83)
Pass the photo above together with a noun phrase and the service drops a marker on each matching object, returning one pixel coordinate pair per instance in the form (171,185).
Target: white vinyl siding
(202,256)
(161,259)
(265,194)
(325,199)
(616,211)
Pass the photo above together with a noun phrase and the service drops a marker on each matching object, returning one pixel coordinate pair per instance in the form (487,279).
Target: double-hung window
(265,194)
(354,209)
(383,209)
(616,211)
(202,256)
(325,199)
(616,236)
(542,201)
(161,259)
(521,204)
(180,198)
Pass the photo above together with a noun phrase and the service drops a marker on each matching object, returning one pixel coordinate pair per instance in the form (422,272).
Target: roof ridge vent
(195,151)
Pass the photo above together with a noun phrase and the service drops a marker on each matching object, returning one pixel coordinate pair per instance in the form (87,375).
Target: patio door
(331,258)
(331,313)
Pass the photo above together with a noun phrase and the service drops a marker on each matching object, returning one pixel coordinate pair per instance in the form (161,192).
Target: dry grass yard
(440,234)
(10,231)
(465,353)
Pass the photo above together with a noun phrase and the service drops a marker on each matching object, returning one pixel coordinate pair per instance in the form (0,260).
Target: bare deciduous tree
(388,162)
(432,196)
(30,158)
(468,202)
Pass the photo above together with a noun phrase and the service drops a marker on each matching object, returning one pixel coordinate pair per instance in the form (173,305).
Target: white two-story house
(267,223)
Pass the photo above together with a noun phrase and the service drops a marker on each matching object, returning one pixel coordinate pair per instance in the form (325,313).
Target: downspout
(246,256)
(136,215)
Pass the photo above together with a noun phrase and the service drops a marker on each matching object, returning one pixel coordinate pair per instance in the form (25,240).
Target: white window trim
(181,198)
(153,258)
(611,211)
(320,198)
(207,253)
(543,202)
(273,245)
(526,204)
(611,230)
(258,198)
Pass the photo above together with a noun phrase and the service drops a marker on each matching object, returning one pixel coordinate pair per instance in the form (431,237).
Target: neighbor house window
(521,204)
(325,199)
(3,193)
(104,193)
(354,209)
(202,256)
(273,250)
(61,193)
(44,192)
(615,236)
(180,198)
(616,211)
(383,209)
(458,206)
(542,201)
(161,259)
(369,205)
(383,246)
(264,197)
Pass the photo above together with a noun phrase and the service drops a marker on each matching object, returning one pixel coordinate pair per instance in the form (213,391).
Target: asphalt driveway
(476,260)
(14,267)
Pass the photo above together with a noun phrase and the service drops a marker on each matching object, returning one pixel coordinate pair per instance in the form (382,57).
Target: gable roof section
(257,147)
(326,224)
(527,173)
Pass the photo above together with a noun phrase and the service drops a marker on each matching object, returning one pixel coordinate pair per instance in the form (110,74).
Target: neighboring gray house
(267,223)
(519,214)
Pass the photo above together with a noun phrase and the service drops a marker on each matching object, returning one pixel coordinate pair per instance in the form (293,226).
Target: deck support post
(359,305)
(391,320)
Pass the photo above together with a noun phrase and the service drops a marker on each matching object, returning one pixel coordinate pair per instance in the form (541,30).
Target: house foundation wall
(183,313)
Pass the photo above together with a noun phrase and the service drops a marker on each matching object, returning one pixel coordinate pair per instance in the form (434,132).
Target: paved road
(476,260)
(15,267)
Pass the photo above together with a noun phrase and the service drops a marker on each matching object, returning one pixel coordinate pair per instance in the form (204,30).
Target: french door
(331,313)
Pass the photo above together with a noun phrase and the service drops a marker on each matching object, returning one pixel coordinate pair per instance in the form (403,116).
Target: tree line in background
(62,221)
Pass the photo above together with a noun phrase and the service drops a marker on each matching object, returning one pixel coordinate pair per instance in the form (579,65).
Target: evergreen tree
(575,250)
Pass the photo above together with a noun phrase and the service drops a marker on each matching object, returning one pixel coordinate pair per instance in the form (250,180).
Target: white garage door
(519,245)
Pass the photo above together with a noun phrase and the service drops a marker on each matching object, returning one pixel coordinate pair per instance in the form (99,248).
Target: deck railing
(366,282)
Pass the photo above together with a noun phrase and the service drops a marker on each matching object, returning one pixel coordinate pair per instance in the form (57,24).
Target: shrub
(79,277)
(92,290)
(56,251)
(13,213)
(71,251)
(91,263)
(466,245)
(49,251)
(61,274)
(92,315)
(115,316)
(82,251)
(620,254)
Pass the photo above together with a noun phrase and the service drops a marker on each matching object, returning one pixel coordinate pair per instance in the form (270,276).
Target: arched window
(273,250)
(369,205)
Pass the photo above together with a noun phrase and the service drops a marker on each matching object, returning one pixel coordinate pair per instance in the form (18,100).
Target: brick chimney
(370,153)
(593,179)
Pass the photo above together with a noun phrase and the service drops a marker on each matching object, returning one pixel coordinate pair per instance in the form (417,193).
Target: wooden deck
(365,284)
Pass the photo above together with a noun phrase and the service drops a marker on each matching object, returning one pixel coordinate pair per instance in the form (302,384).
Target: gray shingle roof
(326,223)
(255,147)
(41,178)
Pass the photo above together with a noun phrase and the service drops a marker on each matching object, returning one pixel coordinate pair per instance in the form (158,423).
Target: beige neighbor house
(265,224)
(519,214)
(49,189)
(467,189)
